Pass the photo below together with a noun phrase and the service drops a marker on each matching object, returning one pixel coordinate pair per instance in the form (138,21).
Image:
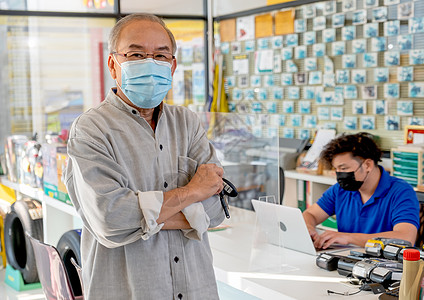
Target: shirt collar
(116,101)
(383,185)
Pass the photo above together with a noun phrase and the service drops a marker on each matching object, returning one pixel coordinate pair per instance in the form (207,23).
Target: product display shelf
(58,217)
(327,180)
(318,184)
(408,165)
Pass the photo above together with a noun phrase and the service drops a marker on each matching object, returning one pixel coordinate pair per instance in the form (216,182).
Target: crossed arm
(315,215)
(206,182)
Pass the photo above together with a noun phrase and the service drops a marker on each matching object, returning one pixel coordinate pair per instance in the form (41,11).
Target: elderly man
(367,201)
(144,178)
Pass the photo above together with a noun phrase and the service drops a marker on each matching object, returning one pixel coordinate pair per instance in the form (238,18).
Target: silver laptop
(285,227)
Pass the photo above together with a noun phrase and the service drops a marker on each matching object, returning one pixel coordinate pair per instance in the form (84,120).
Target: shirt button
(180,296)
(176,259)
(160,147)
(134,111)
(165,184)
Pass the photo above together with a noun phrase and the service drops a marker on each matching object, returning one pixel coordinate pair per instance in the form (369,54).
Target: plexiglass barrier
(249,155)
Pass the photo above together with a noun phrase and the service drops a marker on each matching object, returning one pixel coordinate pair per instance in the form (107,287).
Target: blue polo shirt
(394,201)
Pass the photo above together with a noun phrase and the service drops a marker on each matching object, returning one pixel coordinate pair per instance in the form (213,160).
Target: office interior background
(258,73)
(285,69)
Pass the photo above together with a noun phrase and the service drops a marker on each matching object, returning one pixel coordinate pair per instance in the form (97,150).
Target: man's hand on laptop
(329,237)
(312,232)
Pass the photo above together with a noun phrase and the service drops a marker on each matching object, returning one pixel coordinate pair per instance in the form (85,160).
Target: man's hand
(206,182)
(312,232)
(329,237)
(403,231)
(313,216)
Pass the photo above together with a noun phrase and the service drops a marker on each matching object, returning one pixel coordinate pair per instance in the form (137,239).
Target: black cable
(348,293)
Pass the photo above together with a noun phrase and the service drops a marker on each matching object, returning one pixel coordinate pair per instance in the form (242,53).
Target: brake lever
(230,191)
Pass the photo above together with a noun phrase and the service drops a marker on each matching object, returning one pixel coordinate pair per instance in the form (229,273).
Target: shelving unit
(408,165)
(58,217)
(318,185)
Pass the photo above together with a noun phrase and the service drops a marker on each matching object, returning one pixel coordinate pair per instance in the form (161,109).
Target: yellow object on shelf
(7,194)
(2,246)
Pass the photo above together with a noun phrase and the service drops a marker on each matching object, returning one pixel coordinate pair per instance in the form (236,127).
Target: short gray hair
(116,30)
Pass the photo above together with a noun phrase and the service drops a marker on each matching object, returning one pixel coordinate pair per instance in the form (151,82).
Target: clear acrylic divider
(248,152)
(248,147)
(268,253)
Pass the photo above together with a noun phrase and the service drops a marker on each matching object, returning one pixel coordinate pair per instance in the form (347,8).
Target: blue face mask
(145,82)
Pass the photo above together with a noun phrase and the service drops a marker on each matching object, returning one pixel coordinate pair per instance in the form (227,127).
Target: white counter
(300,279)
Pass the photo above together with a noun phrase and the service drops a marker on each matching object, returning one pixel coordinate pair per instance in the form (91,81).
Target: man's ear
(174,66)
(111,63)
(369,163)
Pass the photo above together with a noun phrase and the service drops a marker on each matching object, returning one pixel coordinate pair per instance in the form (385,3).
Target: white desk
(293,174)
(231,250)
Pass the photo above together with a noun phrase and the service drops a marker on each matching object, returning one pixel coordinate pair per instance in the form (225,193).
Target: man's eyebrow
(140,47)
(135,46)
(164,48)
(340,165)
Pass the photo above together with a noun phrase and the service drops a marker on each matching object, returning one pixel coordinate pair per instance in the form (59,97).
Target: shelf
(251,187)
(40,196)
(292,174)
(69,209)
(58,217)
(227,163)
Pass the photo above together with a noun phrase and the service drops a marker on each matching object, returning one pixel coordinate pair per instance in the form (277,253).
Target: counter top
(293,275)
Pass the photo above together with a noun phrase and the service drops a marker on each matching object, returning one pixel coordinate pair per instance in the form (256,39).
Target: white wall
(225,7)
(189,7)
(164,7)
(68,5)
(161,7)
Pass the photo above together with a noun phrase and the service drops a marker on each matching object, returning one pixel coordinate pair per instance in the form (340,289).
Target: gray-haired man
(144,178)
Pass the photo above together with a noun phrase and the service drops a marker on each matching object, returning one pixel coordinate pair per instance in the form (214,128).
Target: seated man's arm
(404,231)
(313,216)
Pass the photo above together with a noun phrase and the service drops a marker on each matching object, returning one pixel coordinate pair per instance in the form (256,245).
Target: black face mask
(347,180)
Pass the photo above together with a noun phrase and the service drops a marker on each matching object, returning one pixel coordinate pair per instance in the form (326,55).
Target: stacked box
(13,149)
(54,161)
(61,162)
(408,165)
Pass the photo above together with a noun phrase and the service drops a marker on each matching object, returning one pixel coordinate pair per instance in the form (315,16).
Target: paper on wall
(322,138)
(240,65)
(418,138)
(227,30)
(178,86)
(246,28)
(284,22)
(264,61)
(198,83)
(263,25)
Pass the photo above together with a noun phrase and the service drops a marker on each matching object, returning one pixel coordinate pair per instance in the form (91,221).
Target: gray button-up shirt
(116,175)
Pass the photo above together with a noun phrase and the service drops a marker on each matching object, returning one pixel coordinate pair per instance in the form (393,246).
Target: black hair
(360,145)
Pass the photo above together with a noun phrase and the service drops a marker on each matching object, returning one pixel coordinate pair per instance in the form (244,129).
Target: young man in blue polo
(366,200)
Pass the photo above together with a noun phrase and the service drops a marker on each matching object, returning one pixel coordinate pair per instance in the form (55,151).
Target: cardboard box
(54,161)
(61,163)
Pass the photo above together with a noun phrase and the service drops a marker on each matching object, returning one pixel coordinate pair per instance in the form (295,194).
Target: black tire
(68,247)
(25,215)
